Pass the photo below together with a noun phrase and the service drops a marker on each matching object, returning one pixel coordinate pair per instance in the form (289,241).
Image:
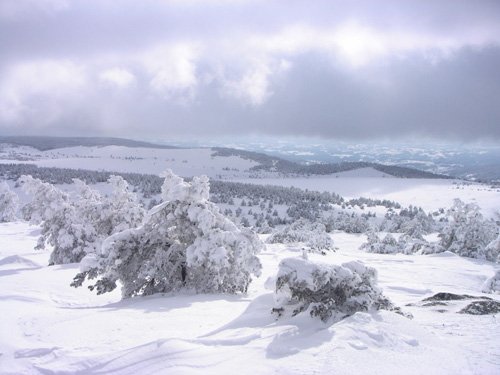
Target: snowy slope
(48,327)
(363,172)
(430,194)
(184,162)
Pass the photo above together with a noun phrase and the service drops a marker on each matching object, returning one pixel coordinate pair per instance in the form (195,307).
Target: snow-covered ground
(430,194)
(184,162)
(48,327)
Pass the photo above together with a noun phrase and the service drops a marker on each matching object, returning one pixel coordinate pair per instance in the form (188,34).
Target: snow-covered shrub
(326,291)
(412,221)
(184,242)
(263,228)
(351,223)
(406,244)
(431,248)
(468,233)
(62,225)
(121,209)
(374,244)
(9,203)
(76,227)
(492,251)
(313,236)
(46,199)
(414,229)
(492,285)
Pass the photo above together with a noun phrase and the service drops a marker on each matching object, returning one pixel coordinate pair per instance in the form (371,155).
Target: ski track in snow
(47,327)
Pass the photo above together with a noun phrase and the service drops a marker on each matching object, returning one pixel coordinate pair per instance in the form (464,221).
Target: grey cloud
(443,81)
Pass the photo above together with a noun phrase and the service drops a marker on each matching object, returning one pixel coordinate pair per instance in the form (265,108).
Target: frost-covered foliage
(374,244)
(46,200)
(312,235)
(63,224)
(412,221)
(406,244)
(492,285)
(9,203)
(121,209)
(413,244)
(349,223)
(370,202)
(492,251)
(326,291)
(184,242)
(431,248)
(76,227)
(468,233)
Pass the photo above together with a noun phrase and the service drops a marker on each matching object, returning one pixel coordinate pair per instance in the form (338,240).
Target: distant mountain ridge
(266,162)
(44,143)
(273,163)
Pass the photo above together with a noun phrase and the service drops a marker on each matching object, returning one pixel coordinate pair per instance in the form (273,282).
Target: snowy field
(184,162)
(430,194)
(48,327)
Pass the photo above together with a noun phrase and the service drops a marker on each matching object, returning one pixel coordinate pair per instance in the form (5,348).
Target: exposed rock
(445,296)
(434,303)
(481,308)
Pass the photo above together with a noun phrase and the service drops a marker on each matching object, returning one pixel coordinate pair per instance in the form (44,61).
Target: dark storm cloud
(358,69)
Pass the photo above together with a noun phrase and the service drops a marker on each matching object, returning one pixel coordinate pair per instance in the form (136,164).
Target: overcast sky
(164,68)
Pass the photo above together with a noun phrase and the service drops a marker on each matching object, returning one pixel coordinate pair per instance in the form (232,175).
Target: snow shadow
(288,335)
(161,302)
(22,264)
(304,333)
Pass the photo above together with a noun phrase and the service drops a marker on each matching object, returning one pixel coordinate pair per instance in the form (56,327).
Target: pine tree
(9,203)
(77,227)
(184,242)
(63,226)
(326,291)
(467,233)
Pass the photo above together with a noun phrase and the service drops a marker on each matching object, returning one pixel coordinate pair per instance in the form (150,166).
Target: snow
(430,194)
(47,327)
(363,172)
(184,162)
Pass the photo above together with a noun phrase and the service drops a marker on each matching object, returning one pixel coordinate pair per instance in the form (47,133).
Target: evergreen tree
(9,203)
(184,242)
(468,233)
(326,291)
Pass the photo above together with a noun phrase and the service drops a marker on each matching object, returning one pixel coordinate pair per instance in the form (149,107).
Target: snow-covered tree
(406,244)
(63,225)
(374,244)
(492,251)
(46,199)
(121,209)
(330,292)
(492,285)
(9,203)
(349,223)
(76,226)
(431,248)
(468,233)
(312,235)
(184,242)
